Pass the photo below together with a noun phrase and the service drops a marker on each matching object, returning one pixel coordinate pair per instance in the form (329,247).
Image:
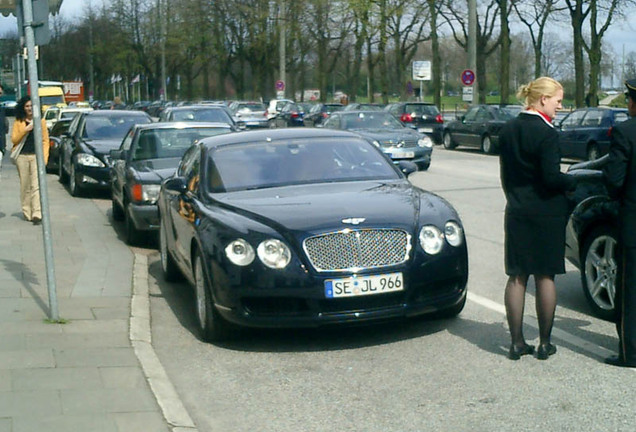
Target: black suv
(424,117)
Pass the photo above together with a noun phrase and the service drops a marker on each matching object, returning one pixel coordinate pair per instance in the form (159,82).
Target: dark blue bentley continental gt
(305,227)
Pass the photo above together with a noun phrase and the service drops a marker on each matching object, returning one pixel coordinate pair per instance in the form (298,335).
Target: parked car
(9,107)
(291,115)
(84,159)
(591,237)
(585,133)
(386,132)
(425,117)
(307,227)
(200,113)
(274,106)
(357,106)
(148,155)
(479,127)
(320,112)
(254,114)
(55,113)
(55,141)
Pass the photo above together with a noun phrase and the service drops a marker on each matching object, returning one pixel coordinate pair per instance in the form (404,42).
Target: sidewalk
(80,376)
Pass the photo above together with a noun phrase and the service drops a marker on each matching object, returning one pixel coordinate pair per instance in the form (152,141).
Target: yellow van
(51,95)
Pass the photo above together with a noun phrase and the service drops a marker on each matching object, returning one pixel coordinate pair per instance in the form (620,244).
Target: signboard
(73,91)
(468,77)
(422,70)
(467,94)
(280,85)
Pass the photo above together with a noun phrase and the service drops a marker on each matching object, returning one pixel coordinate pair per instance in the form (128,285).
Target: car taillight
(294,115)
(439,118)
(136,192)
(51,143)
(406,118)
(609,131)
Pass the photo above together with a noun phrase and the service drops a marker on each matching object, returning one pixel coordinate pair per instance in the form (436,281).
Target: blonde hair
(532,92)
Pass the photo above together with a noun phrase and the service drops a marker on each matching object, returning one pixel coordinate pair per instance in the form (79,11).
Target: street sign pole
(29,35)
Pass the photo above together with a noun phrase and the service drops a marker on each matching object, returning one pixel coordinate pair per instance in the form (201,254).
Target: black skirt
(534,245)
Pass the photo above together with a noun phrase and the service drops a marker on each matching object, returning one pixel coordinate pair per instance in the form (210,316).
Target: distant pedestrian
(26,161)
(4,128)
(536,211)
(620,173)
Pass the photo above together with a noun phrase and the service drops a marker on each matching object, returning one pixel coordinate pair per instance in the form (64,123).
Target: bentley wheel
(448,142)
(486,145)
(598,275)
(62,177)
(212,327)
(72,183)
(170,270)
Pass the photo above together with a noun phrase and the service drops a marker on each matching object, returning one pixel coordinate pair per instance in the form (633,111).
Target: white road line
(583,344)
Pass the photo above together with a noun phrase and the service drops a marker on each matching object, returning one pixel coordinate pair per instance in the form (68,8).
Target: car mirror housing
(176,184)
(407,167)
(118,154)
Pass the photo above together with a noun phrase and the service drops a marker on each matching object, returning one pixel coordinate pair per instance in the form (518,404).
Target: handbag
(16,150)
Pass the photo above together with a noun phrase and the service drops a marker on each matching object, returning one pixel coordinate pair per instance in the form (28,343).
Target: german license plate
(425,130)
(402,155)
(364,285)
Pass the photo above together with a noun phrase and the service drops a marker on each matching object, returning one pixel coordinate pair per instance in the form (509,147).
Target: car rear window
(421,109)
(112,126)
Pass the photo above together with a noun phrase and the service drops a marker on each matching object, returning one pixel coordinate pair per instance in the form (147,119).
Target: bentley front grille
(350,249)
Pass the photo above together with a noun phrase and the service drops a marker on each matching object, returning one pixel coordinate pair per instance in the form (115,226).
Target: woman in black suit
(536,211)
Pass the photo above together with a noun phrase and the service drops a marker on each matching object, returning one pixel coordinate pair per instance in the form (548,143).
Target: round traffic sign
(280,85)
(468,77)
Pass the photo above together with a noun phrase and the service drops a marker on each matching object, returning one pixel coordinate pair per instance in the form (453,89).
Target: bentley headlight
(88,160)
(240,252)
(425,141)
(274,253)
(453,233)
(431,239)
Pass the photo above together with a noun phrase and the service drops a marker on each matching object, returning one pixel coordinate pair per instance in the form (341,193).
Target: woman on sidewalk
(26,161)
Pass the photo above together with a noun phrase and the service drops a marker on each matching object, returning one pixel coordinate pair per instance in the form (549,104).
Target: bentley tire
(598,275)
(212,327)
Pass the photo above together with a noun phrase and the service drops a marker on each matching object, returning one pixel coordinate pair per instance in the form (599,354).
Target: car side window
(620,117)
(592,118)
(332,122)
(482,115)
(74,125)
(572,120)
(471,115)
(127,142)
(187,161)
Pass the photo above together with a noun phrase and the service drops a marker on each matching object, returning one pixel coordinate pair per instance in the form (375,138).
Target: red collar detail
(545,116)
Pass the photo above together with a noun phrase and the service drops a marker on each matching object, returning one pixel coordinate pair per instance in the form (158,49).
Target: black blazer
(531,174)
(620,175)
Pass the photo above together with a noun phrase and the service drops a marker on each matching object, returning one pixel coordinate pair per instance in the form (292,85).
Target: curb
(140,336)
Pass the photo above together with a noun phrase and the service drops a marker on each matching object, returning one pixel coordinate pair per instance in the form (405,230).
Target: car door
(462,130)
(479,126)
(68,143)
(118,170)
(182,215)
(568,131)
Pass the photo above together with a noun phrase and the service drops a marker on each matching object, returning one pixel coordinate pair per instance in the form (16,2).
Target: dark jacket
(530,167)
(620,175)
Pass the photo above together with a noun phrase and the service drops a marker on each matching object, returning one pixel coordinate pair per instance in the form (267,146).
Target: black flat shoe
(545,351)
(516,352)
(618,361)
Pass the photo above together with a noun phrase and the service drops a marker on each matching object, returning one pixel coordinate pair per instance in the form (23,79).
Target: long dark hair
(20,113)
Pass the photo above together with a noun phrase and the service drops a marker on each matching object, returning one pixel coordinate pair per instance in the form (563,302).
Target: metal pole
(472,42)
(163,24)
(281,60)
(37,131)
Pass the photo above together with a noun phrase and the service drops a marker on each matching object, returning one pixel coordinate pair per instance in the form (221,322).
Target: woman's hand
(29,126)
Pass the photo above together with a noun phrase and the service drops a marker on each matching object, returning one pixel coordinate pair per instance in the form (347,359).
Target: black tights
(515,297)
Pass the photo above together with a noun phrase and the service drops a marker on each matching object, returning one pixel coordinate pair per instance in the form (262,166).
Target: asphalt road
(417,375)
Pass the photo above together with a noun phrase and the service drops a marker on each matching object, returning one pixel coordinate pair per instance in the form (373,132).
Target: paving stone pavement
(83,375)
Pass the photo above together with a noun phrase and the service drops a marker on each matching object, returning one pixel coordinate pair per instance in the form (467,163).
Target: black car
(306,227)
(386,132)
(84,159)
(320,112)
(591,236)
(148,155)
(479,127)
(200,113)
(424,117)
(585,133)
(290,115)
(55,141)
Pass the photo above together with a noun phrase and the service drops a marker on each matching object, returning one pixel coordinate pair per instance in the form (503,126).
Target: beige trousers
(29,186)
